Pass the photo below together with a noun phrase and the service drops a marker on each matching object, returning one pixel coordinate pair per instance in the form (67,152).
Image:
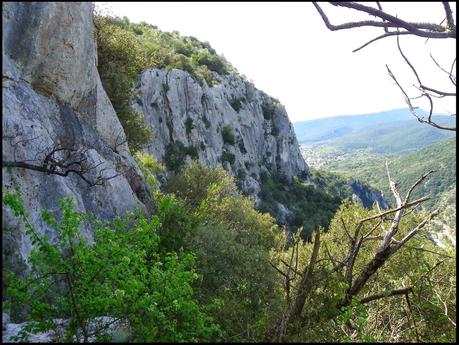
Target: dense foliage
(207,258)
(207,266)
(312,202)
(119,62)
(426,315)
(228,136)
(232,243)
(158,49)
(405,169)
(120,275)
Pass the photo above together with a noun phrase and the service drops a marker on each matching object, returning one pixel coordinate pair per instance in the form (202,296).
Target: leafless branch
(446,29)
(449,73)
(449,16)
(388,21)
(400,291)
(413,109)
(387,34)
(58,160)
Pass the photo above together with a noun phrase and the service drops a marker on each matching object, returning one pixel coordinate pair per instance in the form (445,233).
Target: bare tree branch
(58,160)
(449,16)
(403,27)
(419,29)
(400,291)
(412,108)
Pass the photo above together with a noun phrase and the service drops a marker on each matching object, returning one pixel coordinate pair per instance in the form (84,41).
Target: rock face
(366,196)
(231,124)
(53,97)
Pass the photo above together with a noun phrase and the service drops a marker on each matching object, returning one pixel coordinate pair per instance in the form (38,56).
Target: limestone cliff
(231,124)
(53,97)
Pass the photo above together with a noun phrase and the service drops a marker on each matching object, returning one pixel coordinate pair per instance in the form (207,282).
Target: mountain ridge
(335,128)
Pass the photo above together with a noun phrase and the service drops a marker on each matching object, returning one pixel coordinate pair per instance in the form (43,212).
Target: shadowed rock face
(177,108)
(52,95)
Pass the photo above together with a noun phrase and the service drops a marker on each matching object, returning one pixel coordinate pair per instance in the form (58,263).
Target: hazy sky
(286,50)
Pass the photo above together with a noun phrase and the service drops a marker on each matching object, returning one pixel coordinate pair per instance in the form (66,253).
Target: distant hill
(388,132)
(406,169)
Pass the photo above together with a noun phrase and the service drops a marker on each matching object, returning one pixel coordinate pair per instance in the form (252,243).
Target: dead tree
(345,268)
(56,159)
(394,26)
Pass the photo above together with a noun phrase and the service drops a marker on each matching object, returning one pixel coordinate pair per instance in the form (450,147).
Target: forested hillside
(404,169)
(137,210)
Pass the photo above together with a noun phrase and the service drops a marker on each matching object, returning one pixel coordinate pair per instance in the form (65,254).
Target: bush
(236,104)
(150,167)
(228,136)
(176,223)
(211,61)
(121,275)
(268,111)
(174,156)
(232,242)
(241,173)
(120,60)
(193,182)
(192,151)
(206,121)
(189,125)
(311,206)
(176,153)
(228,157)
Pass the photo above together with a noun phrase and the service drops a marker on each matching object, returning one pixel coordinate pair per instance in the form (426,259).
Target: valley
(353,154)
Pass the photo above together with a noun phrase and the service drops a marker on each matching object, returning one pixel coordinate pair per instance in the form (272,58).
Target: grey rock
(52,95)
(108,324)
(169,99)
(366,196)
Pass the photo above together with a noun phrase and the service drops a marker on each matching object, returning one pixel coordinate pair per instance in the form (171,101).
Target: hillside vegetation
(203,265)
(404,169)
(206,267)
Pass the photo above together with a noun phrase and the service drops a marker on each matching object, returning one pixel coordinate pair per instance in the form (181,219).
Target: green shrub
(120,60)
(228,136)
(232,243)
(121,275)
(228,157)
(176,223)
(236,104)
(174,156)
(189,125)
(176,153)
(268,111)
(164,88)
(150,167)
(193,182)
(311,206)
(211,61)
(192,151)
(206,121)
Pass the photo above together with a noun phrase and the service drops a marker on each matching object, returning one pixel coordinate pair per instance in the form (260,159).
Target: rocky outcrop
(53,97)
(116,330)
(366,196)
(231,124)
